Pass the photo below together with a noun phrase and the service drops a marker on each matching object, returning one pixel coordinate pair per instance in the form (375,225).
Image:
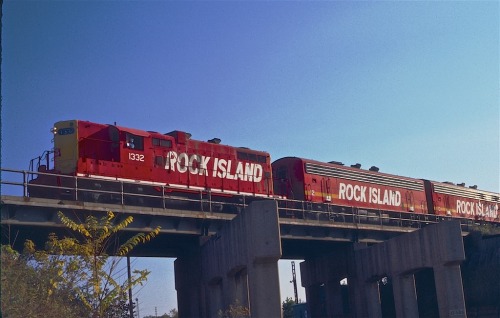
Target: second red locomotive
(333,183)
(351,187)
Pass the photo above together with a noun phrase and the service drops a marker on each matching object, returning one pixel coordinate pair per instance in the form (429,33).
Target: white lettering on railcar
(369,194)
(221,168)
(479,209)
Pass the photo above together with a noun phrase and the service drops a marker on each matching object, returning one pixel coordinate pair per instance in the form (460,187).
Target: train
(113,164)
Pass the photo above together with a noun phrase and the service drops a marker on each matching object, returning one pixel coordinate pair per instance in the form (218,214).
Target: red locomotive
(148,163)
(113,164)
(369,190)
(458,201)
(333,183)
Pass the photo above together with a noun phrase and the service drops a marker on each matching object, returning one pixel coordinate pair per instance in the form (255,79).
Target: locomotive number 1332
(135,156)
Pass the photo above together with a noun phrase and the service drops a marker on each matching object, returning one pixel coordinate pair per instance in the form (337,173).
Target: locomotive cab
(65,146)
(77,142)
(65,158)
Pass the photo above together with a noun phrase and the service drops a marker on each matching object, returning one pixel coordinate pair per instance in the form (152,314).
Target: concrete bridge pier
(449,290)
(389,266)
(438,247)
(187,283)
(236,267)
(321,278)
(405,296)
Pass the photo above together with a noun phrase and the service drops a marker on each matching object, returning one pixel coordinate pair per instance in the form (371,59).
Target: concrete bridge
(224,257)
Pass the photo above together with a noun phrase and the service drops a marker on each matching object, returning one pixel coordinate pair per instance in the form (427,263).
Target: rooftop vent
(180,136)
(214,141)
(336,163)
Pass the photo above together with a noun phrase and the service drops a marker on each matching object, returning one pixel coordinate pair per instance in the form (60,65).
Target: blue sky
(411,87)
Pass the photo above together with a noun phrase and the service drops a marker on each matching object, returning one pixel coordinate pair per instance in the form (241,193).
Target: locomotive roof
(133,131)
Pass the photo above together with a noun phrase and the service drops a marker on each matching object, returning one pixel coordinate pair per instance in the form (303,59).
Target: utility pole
(294,281)
(130,302)
(137,301)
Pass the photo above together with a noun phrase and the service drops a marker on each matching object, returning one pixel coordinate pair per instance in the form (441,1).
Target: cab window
(134,142)
(157,142)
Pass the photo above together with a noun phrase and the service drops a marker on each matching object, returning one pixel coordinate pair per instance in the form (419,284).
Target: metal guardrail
(117,192)
(127,193)
(353,215)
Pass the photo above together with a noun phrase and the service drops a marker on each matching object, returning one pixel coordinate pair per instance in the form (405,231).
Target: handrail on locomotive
(38,160)
(288,209)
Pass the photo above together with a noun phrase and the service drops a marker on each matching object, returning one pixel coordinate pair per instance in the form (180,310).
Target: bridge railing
(321,212)
(109,191)
(12,186)
(64,187)
(347,214)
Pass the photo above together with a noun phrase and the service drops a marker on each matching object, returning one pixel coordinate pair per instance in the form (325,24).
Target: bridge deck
(34,218)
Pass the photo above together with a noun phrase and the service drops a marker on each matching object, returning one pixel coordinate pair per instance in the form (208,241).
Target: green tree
(288,307)
(81,272)
(27,289)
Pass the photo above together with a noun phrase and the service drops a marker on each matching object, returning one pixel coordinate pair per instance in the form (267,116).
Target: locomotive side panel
(204,165)
(172,159)
(319,182)
(458,201)
(336,184)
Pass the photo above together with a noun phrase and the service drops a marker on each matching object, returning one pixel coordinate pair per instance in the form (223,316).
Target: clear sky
(411,87)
